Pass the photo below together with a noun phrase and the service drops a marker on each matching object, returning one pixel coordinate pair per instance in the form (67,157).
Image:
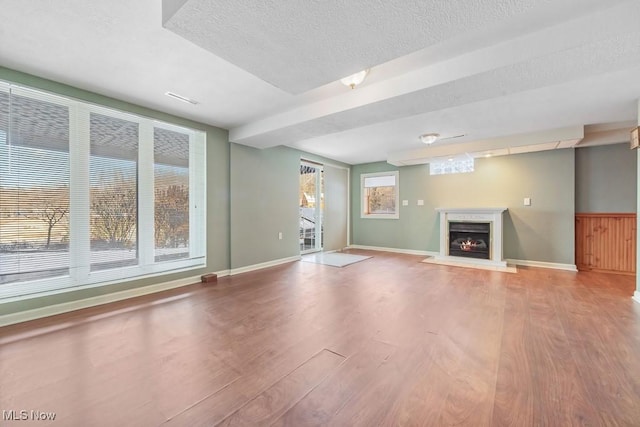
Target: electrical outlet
(527,201)
(280,235)
(420,202)
(405,203)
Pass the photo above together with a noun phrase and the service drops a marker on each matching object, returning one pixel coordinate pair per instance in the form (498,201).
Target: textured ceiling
(300,48)
(488,69)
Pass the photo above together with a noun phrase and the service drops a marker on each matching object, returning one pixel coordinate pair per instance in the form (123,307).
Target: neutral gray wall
(264,201)
(543,231)
(606,179)
(217,193)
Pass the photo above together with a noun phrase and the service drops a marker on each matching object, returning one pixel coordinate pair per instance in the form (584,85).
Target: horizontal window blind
(34,186)
(380,181)
(90,195)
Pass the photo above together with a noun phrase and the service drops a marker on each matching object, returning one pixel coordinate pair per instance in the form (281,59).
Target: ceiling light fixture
(181,98)
(429,138)
(354,79)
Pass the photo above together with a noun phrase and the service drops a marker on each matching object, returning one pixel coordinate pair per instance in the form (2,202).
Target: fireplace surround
(471,235)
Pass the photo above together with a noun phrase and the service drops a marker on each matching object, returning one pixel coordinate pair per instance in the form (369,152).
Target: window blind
(34,186)
(82,189)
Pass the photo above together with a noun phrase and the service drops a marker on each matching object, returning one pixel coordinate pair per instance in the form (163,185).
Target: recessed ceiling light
(429,138)
(450,159)
(487,155)
(181,98)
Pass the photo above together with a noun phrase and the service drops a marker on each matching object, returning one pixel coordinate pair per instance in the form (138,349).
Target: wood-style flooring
(388,341)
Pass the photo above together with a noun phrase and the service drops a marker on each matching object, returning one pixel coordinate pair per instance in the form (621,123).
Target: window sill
(380,216)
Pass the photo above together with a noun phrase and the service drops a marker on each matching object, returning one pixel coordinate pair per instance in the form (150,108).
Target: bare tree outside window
(114,211)
(381,200)
(51,215)
(172,216)
(380,195)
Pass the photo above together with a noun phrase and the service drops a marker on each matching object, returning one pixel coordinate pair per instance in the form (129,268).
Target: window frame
(80,276)
(363,202)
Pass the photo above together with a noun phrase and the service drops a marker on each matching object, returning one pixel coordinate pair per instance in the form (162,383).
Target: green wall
(606,179)
(217,193)
(543,231)
(252,195)
(264,202)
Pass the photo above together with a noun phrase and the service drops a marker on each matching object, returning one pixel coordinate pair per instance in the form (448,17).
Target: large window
(379,195)
(90,195)
(113,193)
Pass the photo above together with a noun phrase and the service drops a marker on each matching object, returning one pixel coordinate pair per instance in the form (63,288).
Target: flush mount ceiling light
(181,98)
(355,79)
(429,138)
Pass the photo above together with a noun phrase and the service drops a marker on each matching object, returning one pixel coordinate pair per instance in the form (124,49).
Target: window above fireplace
(460,164)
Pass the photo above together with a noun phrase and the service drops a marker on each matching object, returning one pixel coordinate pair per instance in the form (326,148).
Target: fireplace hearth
(470,239)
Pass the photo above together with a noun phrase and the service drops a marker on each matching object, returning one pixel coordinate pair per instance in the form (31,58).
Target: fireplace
(471,236)
(470,239)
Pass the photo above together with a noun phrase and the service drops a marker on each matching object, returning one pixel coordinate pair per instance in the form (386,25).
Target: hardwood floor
(387,341)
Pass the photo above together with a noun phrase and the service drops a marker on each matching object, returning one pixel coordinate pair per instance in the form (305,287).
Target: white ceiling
(488,69)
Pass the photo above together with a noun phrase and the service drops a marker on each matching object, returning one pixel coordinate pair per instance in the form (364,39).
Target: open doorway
(311,203)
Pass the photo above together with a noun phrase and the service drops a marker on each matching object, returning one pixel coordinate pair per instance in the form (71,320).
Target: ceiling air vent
(181,98)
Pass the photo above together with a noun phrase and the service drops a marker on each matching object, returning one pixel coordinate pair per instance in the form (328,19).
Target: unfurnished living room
(338,213)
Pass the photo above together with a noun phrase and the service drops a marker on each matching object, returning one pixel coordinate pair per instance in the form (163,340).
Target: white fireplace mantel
(490,215)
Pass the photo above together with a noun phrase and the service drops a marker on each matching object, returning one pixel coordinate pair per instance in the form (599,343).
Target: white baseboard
(542,264)
(526,263)
(394,250)
(51,310)
(262,265)
(636,296)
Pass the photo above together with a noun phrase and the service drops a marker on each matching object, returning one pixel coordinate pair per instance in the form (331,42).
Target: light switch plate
(420,202)
(405,203)
(527,201)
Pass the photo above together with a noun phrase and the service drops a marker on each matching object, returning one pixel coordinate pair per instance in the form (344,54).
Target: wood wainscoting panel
(606,242)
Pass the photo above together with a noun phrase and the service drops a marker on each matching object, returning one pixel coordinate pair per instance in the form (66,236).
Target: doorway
(311,203)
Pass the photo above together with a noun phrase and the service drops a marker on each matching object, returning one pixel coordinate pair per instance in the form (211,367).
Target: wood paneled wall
(606,242)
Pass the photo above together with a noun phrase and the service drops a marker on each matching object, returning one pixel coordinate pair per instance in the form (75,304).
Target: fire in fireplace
(470,239)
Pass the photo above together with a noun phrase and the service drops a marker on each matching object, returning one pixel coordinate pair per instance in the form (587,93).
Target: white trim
(491,215)
(80,275)
(396,214)
(65,307)
(262,265)
(542,264)
(464,262)
(99,284)
(394,250)
(223,273)
(636,296)
(525,263)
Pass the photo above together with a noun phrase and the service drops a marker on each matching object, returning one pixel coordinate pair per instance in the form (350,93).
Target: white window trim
(80,276)
(395,215)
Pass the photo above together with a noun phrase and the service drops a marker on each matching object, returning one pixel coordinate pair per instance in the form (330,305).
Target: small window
(379,195)
(462,164)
